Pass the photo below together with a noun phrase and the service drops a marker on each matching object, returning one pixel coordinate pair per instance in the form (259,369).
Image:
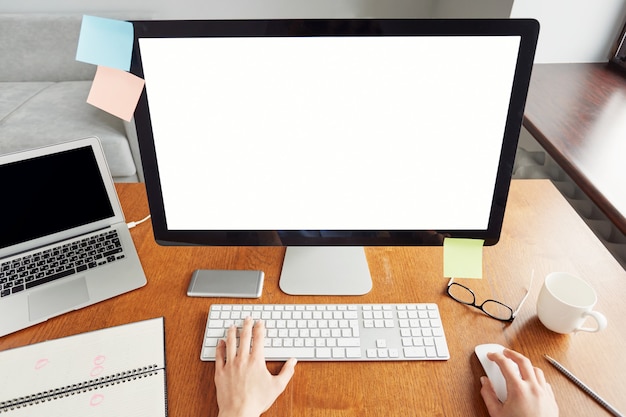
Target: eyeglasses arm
(530,285)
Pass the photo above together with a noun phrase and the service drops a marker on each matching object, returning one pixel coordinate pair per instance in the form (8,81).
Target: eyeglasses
(492,308)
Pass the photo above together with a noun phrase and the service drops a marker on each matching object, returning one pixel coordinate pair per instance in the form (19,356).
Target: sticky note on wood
(116,92)
(105,42)
(463,258)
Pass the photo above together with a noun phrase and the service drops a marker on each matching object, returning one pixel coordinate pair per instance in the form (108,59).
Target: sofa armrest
(133,142)
(41,47)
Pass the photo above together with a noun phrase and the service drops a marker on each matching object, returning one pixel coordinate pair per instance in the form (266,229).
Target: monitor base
(328,270)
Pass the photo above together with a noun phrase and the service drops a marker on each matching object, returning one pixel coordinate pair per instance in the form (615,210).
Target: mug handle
(600,321)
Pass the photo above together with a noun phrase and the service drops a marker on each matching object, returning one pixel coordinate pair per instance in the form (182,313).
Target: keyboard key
(415,352)
(287,353)
(353,353)
(349,342)
(322,353)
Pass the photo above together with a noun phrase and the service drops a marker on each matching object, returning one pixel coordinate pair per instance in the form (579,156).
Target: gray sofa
(43,92)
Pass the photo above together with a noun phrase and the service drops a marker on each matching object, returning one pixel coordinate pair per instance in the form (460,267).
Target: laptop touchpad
(55,299)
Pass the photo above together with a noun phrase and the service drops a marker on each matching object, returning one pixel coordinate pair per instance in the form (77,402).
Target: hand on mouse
(245,388)
(529,395)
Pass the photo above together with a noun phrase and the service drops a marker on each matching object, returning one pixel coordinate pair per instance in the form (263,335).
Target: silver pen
(584,387)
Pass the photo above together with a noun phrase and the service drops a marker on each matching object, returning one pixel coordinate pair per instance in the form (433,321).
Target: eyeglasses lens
(461,294)
(497,310)
(493,308)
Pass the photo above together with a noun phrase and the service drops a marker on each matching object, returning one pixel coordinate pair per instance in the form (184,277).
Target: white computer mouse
(491,368)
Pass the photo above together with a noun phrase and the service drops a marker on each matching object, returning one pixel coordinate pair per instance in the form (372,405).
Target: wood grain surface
(577,112)
(541,232)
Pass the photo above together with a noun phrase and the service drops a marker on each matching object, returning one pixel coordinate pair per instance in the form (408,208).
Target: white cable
(133,224)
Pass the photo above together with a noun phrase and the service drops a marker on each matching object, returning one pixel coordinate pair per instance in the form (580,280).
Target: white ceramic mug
(565,302)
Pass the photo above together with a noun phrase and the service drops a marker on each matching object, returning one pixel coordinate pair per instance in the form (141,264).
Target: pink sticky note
(115,91)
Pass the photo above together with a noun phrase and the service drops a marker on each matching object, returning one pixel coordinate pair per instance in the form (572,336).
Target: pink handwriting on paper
(41,363)
(98,368)
(96,400)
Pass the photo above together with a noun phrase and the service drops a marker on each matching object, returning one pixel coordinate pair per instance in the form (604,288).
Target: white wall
(571,30)
(229,9)
(472,8)
(574,30)
(233,9)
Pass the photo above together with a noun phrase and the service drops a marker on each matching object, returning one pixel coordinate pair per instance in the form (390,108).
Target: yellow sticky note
(116,92)
(463,258)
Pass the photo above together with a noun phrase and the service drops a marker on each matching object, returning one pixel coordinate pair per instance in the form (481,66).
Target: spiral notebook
(110,372)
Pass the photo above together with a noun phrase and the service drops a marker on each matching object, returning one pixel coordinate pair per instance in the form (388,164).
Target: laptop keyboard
(48,265)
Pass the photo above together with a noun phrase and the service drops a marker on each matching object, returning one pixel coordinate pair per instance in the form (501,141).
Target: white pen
(584,387)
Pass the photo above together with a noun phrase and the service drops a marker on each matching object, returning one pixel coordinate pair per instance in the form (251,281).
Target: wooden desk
(577,112)
(541,231)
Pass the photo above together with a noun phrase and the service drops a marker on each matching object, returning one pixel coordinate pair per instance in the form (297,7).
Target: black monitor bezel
(526,29)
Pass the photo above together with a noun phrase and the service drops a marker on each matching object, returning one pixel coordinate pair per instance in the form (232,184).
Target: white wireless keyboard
(336,332)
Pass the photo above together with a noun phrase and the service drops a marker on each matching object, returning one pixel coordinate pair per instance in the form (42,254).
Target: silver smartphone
(226,283)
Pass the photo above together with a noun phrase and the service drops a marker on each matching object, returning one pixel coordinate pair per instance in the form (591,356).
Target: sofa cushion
(46,113)
(12,95)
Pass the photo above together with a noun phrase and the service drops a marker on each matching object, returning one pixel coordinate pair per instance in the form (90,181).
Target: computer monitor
(328,135)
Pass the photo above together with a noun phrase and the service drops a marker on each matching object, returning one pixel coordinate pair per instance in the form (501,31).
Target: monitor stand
(325,270)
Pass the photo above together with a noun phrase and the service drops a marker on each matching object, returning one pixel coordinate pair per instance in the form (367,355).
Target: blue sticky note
(105,42)
(463,258)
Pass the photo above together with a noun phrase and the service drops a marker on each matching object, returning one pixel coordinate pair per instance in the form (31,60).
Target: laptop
(64,242)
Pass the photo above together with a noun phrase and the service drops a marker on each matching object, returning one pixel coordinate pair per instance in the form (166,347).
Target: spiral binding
(82,387)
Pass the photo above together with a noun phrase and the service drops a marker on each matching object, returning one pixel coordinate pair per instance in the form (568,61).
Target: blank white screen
(328,133)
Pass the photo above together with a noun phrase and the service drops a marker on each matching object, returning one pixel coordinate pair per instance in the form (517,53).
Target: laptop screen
(50,194)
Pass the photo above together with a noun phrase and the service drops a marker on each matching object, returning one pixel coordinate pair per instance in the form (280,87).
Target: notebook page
(143,397)
(98,355)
